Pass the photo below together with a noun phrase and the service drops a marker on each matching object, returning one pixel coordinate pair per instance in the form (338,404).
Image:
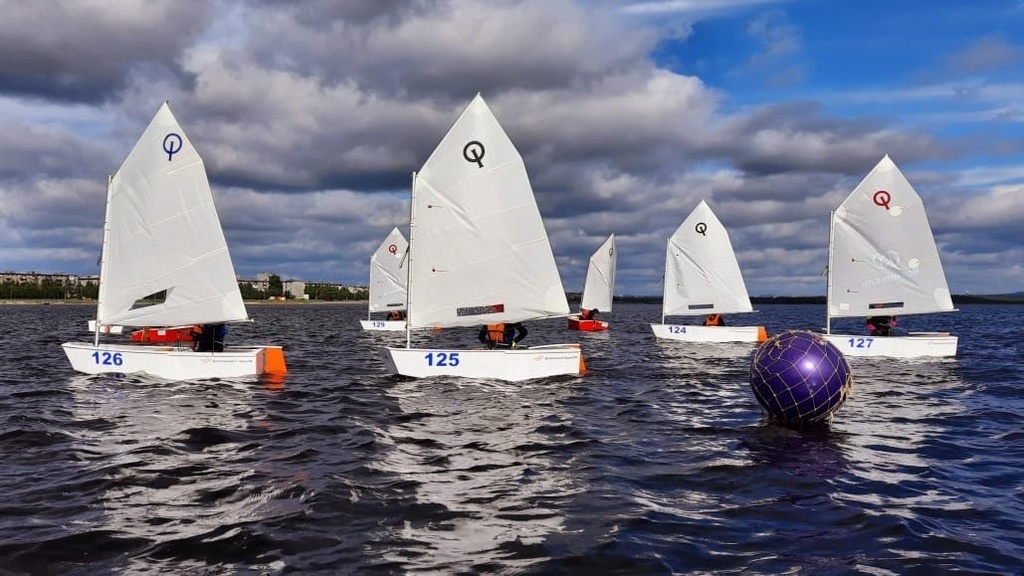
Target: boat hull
(383,325)
(174,362)
(575,323)
(511,365)
(914,345)
(692,333)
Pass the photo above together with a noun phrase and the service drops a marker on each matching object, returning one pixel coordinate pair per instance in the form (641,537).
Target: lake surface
(656,462)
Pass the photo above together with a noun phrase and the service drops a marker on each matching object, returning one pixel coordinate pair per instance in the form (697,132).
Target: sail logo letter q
(474,152)
(172,145)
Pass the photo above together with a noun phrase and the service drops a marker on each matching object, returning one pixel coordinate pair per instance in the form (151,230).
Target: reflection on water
(475,458)
(176,465)
(658,461)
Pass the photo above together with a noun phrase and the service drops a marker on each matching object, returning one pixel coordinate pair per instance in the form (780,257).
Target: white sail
(388,274)
(479,253)
(702,275)
(600,283)
(162,233)
(883,259)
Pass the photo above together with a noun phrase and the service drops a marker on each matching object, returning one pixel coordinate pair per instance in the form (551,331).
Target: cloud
(85,50)
(986,54)
(311,115)
(693,7)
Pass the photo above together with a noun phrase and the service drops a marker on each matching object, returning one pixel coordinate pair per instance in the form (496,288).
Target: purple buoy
(799,377)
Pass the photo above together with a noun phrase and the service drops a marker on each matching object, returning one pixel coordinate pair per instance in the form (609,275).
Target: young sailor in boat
(589,314)
(502,335)
(396,315)
(210,338)
(880,325)
(714,320)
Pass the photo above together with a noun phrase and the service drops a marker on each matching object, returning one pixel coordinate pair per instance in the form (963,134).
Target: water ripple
(656,462)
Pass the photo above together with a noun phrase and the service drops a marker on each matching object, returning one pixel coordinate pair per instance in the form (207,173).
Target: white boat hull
(383,325)
(106,328)
(692,333)
(174,362)
(914,345)
(500,364)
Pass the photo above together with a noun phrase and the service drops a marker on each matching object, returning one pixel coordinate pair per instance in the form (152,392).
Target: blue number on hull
(108,358)
(378,324)
(449,359)
(860,342)
(677,329)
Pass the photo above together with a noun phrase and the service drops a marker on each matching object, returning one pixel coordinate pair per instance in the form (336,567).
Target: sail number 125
(442,358)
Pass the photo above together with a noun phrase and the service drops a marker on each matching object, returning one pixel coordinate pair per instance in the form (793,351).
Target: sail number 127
(860,342)
(442,358)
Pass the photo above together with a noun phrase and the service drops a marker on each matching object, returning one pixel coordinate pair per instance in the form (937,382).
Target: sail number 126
(108,358)
(442,358)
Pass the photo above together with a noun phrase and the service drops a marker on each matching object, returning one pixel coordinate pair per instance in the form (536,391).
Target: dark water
(657,462)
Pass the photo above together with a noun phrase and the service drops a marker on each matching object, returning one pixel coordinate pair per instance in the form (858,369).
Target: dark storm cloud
(28,152)
(447,49)
(799,137)
(86,51)
(322,14)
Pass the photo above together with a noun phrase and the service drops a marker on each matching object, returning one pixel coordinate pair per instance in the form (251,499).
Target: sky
(311,115)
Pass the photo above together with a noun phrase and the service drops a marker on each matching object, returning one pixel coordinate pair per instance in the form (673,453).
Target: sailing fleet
(477,254)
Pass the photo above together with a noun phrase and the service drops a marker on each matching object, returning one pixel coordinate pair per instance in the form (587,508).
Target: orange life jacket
(496,333)
(713,320)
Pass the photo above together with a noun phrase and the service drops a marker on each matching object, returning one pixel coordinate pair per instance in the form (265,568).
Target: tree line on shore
(51,289)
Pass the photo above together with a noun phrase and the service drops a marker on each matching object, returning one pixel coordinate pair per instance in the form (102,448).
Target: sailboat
(702,277)
(597,288)
(883,261)
(388,278)
(478,255)
(165,263)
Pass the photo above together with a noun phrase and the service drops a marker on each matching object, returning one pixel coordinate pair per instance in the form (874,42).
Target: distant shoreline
(35,301)
(1016,299)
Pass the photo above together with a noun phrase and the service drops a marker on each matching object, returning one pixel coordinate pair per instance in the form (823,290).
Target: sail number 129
(442,358)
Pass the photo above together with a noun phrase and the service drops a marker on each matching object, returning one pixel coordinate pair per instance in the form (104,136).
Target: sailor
(502,335)
(880,325)
(209,338)
(714,320)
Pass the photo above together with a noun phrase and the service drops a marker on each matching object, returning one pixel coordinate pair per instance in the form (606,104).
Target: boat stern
(502,364)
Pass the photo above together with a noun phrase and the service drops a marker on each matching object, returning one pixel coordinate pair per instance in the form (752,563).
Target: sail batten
(884,256)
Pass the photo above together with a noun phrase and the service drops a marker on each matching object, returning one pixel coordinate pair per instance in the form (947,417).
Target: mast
(664,278)
(408,270)
(828,271)
(103,261)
